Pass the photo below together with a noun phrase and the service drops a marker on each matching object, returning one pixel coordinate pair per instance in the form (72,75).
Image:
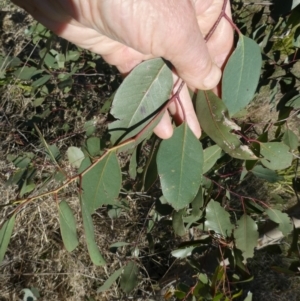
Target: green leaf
(5,235)
(27,187)
(282,219)
(89,127)
(75,156)
(294,102)
(241,75)
(102,183)
(53,152)
(212,115)
(28,295)
(266,174)
(93,145)
(139,98)
(93,250)
(249,297)
(118,244)
(198,203)
(67,226)
(60,58)
(183,253)
(211,155)
(129,278)
(25,73)
(179,163)
(177,222)
(72,55)
(20,161)
(218,219)
(246,236)
(110,281)
(290,139)
(41,81)
(276,155)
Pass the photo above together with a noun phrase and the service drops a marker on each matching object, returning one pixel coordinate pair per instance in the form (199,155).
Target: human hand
(127,32)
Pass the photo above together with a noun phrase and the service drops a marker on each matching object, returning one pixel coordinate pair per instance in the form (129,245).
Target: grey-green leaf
(276,155)
(67,226)
(241,75)
(211,155)
(212,115)
(294,102)
(93,250)
(183,253)
(290,139)
(93,145)
(101,184)
(75,156)
(177,222)
(249,297)
(218,219)
(139,98)
(119,244)
(110,281)
(246,236)
(129,278)
(285,223)
(179,163)
(5,235)
(266,174)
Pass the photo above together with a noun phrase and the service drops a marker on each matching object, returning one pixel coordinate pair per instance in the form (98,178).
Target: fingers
(164,129)
(188,52)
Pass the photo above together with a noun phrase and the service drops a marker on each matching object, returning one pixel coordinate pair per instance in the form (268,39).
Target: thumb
(191,58)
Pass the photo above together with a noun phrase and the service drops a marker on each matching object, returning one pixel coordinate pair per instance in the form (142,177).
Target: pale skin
(127,32)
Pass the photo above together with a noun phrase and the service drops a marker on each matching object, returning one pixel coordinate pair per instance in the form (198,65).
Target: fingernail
(213,78)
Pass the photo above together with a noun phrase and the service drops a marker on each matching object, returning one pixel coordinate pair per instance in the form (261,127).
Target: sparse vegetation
(229,232)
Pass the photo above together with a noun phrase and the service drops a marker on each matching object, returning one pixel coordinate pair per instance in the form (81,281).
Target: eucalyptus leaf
(294,102)
(211,155)
(249,297)
(212,115)
(102,182)
(93,250)
(27,187)
(183,253)
(276,155)
(282,219)
(139,98)
(67,226)
(179,162)
(89,127)
(218,219)
(75,156)
(266,174)
(5,235)
(53,153)
(118,244)
(93,145)
(129,278)
(177,222)
(241,75)
(246,236)
(26,72)
(41,81)
(110,281)
(290,139)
